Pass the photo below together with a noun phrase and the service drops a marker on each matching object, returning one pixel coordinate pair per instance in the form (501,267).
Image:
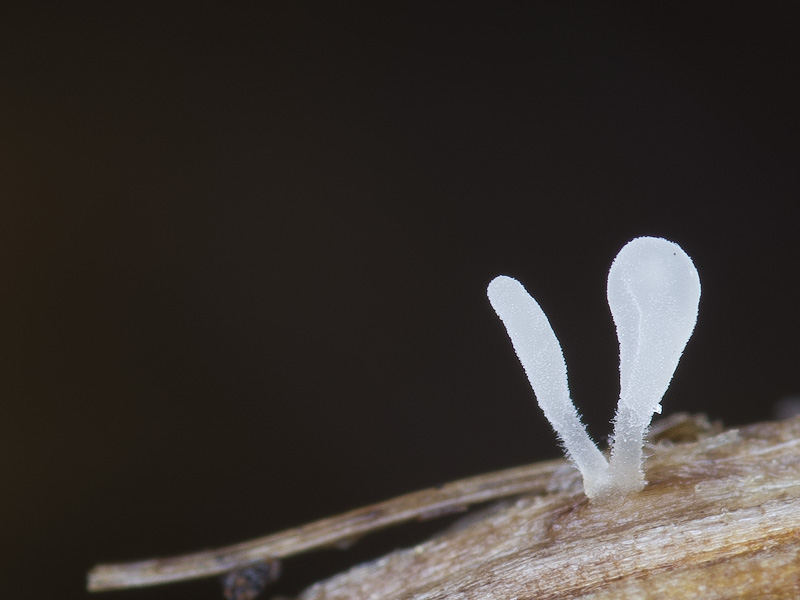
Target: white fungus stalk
(653,293)
(540,353)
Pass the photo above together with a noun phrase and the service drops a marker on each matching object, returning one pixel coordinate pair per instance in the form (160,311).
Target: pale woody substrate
(719,518)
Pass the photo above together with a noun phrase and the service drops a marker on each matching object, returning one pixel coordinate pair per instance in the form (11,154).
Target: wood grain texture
(720,518)
(337,531)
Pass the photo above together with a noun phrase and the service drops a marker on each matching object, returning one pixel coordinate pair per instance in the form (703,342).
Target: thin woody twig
(719,519)
(425,504)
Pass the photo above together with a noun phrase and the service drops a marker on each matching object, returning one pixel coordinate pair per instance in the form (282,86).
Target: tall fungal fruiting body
(540,353)
(653,293)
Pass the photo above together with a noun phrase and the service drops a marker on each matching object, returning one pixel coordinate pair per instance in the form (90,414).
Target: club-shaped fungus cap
(653,293)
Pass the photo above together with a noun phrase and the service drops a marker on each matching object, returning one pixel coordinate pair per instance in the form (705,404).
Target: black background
(244,252)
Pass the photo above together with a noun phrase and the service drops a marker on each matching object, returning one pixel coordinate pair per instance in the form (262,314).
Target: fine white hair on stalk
(653,293)
(540,353)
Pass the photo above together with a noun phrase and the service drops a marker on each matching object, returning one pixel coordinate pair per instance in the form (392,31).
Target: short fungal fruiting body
(653,293)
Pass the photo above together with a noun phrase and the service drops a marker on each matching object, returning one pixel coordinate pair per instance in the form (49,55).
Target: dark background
(244,252)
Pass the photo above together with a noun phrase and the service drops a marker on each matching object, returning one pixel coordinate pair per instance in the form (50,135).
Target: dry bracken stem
(719,519)
(452,497)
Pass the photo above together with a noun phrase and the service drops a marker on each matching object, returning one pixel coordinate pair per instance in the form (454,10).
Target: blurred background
(244,253)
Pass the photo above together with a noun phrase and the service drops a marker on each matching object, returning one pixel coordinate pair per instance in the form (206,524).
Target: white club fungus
(653,293)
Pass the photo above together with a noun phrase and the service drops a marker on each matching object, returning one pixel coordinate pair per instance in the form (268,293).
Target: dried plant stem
(425,504)
(719,519)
